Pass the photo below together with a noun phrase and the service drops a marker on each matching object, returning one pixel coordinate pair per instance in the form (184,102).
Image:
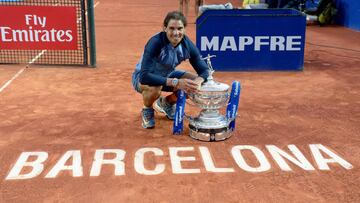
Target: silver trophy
(210,125)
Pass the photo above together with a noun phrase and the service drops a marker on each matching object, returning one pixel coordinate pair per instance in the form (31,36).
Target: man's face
(175,31)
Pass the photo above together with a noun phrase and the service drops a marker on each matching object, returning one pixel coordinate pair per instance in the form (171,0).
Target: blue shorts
(175,74)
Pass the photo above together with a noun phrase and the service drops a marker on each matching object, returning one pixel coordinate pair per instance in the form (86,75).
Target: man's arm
(197,63)
(151,51)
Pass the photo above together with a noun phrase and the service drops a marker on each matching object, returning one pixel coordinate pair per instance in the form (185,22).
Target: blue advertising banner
(252,39)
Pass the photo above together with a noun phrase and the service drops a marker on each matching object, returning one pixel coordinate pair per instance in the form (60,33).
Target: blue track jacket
(160,58)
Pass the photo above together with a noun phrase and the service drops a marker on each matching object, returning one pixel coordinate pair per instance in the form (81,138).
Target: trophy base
(209,135)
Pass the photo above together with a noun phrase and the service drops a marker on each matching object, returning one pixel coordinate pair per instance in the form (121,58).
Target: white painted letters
(239,159)
(228,43)
(213,44)
(139,161)
(75,167)
(37,165)
(245,41)
(209,164)
(290,43)
(279,156)
(35,20)
(183,160)
(176,160)
(277,43)
(323,162)
(251,43)
(117,161)
(259,41)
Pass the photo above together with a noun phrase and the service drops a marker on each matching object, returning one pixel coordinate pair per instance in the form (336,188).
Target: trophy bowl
(210,125)
(212,95)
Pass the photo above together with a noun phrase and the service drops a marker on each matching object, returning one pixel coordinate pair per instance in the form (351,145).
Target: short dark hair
(175,15)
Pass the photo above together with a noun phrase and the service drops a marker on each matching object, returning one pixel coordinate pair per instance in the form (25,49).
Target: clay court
(57,109)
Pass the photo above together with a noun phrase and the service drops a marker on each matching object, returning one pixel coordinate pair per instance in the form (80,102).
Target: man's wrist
(174,82)
(201,79)
(169,82)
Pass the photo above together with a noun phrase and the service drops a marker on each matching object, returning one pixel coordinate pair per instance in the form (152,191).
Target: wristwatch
(174,82)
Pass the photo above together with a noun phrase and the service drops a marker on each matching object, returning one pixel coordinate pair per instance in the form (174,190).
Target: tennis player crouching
(156,71)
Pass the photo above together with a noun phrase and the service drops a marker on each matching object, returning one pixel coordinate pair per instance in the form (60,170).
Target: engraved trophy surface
(210,125)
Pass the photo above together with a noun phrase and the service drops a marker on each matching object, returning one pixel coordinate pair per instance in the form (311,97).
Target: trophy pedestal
(209,126)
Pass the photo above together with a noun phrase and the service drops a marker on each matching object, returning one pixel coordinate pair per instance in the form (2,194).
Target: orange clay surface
(56,109)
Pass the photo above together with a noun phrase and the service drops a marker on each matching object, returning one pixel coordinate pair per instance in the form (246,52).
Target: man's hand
(199,81)
(188,85)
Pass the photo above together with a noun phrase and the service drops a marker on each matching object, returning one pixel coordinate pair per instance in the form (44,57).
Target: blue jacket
(160,58)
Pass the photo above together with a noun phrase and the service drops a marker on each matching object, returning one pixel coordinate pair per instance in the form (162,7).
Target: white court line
(32,60)
(97,3)
(13,78)
(36,57)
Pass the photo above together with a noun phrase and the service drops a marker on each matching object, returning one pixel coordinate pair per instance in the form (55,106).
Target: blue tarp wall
(348,13)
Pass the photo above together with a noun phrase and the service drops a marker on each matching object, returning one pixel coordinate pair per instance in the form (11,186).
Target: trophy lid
(210,85)
(213,86)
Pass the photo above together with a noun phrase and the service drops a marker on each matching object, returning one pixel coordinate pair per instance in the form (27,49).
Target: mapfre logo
(38,27)
(251,43)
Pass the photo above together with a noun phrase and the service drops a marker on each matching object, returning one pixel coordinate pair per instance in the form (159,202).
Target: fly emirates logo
(36,31)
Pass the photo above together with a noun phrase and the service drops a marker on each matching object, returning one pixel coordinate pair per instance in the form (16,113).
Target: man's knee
(153,91)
